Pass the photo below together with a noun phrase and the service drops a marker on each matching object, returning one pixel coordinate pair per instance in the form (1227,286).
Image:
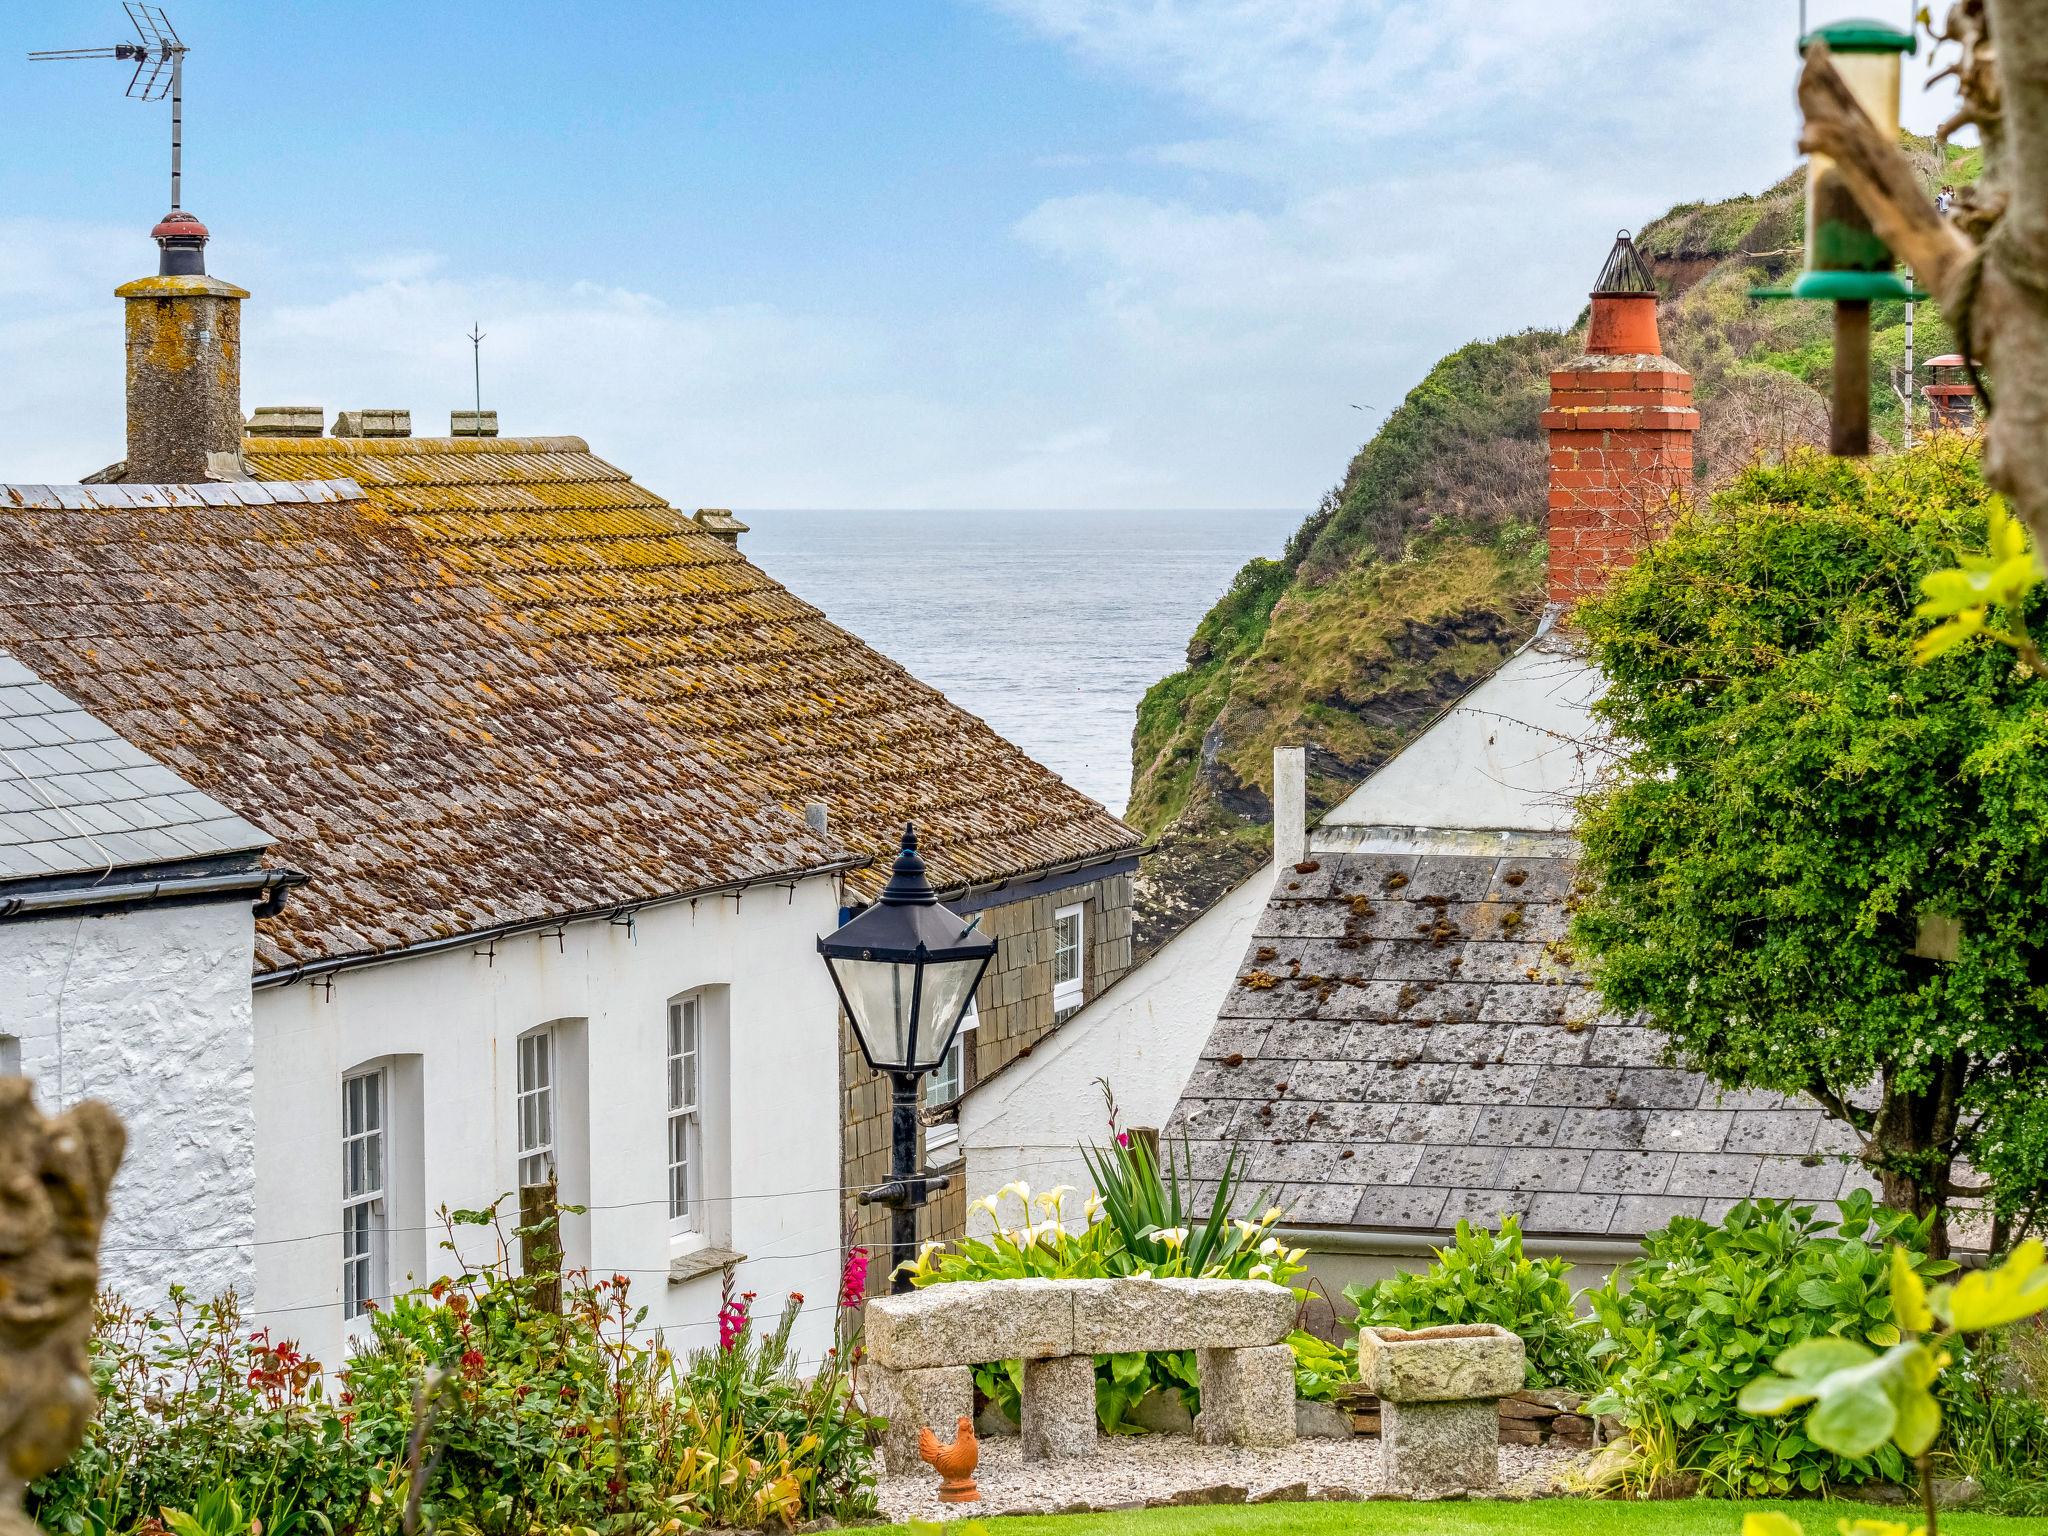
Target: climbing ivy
(1796,808)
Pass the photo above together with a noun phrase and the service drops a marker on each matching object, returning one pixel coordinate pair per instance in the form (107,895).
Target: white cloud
(1358,186)
(1387,179)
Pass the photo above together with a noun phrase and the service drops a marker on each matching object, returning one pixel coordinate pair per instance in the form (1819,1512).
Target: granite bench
(922,1347)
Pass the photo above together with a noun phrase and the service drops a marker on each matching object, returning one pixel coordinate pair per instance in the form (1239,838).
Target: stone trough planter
(1440,1392)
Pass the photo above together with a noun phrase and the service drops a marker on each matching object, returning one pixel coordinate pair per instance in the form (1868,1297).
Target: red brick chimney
(1621,422)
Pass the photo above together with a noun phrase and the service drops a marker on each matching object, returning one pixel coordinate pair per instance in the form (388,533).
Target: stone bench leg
(1247,1396)
(1059,1407)
(934,1399)
(1430,1449)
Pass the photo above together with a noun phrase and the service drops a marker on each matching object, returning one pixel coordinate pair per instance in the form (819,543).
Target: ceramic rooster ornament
(955,1463)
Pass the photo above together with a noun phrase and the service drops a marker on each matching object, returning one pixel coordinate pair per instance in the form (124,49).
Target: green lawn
(1543,1517)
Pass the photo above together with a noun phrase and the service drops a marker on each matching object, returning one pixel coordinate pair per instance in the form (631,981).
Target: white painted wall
(452,1020)
(1144,1035)
(1514,754)
(148,1009)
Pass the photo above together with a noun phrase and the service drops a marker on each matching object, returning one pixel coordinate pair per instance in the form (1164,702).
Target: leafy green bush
(1142,1224)
(1707,1308)
(490,1412)
(1485,1277)
(1864,1401)
(1792,796)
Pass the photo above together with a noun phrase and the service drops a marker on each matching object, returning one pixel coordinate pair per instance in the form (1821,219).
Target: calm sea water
(1048,625)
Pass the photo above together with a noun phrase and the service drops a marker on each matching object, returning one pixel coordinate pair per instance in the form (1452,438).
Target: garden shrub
(531,1418)
(1484,1277)
(1707,1308)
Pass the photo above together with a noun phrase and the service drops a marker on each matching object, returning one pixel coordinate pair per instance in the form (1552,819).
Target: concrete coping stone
(1440,1365)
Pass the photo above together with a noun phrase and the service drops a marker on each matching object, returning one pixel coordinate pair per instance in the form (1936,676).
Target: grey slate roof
(1402,1048)
(77,799)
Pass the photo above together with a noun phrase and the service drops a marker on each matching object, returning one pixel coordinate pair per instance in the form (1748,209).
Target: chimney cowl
(181,240)
(1624,318)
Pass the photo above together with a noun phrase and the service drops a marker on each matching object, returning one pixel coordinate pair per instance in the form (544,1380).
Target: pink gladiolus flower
(853,1280)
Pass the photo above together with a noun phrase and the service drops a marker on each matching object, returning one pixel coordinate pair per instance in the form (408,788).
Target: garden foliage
(1144,1223)
(1484,1277)
(1797,806)
(1686,1327)
(1864,1401)
(493,1415)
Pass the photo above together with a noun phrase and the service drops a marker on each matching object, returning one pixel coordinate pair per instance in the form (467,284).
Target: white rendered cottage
(539,934)
(127,925)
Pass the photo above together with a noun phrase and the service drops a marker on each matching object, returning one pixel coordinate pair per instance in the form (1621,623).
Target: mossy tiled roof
(423,754)
(762,683)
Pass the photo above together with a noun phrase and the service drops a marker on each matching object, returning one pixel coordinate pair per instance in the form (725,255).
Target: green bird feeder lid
(1861,37)
(1843,285)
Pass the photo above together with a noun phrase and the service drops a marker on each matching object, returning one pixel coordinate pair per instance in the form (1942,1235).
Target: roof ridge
(402,445)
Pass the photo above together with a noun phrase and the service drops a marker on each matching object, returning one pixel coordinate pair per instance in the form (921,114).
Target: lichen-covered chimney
(1621,425)
(184,364)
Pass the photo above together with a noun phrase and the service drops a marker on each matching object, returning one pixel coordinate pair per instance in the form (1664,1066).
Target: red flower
(797,1297)
(853,1280)
(472,1362)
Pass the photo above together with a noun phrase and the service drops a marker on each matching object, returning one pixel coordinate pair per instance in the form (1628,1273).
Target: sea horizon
(1048,623)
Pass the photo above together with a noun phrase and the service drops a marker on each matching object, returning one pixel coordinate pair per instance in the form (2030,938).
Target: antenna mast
(159,71)
(476,347)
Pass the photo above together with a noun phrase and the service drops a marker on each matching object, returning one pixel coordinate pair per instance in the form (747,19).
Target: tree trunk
(1911,1148)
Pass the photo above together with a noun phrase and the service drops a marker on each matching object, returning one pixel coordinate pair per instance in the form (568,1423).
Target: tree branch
(1851,1116)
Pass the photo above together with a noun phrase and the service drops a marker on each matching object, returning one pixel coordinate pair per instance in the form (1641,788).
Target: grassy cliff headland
(1423,567)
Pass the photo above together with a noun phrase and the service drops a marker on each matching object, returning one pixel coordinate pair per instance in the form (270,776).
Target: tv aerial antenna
(159,61)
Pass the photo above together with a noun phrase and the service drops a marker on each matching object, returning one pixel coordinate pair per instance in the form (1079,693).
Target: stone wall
(1015,1004)
(148,1009)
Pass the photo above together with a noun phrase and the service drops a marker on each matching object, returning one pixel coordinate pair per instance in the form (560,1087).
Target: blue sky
(874,253)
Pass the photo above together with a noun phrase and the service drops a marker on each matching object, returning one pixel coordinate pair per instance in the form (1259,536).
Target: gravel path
(1148,1469)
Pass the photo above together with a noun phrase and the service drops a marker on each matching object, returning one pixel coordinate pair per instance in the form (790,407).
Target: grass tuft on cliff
(1423,568)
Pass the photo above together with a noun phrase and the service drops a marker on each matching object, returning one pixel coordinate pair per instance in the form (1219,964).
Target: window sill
(698,1262)
(942,1144)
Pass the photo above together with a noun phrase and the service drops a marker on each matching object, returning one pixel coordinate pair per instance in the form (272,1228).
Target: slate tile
(1550,1044)
(1636,1215)
(1466,1043)
(1320,1205)
(1456,878)
(1517,1126)
(1488,961)
(1485,1207)
(1627,1173)
(1687,1130)
(1623,1045)
(1569,1087)
(1796,1178)
(1619,1130)
(1714,1174)
(1553,1212)
(1512,1083)
(1773,1130)
(1293,919)
(1457,1165)
(1399,1206)
(1534,1168)
(1660,1088)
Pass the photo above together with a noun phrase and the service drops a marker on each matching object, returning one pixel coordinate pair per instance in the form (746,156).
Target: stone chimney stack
(1621,424)
(184,364)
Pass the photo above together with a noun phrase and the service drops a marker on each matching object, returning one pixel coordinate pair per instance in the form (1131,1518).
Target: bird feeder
(1847,264)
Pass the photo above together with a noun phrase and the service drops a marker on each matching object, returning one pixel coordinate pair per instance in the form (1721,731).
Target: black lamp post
(905,969)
